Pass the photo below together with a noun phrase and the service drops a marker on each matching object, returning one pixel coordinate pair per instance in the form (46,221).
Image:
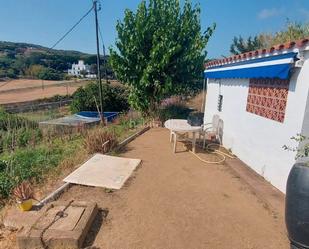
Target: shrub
(7,183)
(25,164)
(130,120)
(95,141)
(176,111)
(114,98)
(49,74)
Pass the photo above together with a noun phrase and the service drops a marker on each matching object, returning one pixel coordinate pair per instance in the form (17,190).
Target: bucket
(25,205)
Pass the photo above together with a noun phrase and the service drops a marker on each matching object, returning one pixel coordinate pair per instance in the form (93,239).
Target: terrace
(174,200)
(177,201)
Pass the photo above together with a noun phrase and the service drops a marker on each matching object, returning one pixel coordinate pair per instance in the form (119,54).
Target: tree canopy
(160,51)
(240,45)
(291,31)
(28,60)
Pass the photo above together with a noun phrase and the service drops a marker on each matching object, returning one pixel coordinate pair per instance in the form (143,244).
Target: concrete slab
(104,171)
(17,219)
(68,232)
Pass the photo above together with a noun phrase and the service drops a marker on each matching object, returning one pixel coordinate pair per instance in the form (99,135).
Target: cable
(102,40)
(104,54)
(71,29)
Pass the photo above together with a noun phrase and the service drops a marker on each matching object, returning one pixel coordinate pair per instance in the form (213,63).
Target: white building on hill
(262,100)
(79,68)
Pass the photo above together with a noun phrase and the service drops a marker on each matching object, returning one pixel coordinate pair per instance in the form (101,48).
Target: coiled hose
(208,149)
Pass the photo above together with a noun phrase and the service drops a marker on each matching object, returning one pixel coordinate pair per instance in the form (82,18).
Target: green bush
(114,98)
(25,164)
(49,74)
(128,121)
(173,111)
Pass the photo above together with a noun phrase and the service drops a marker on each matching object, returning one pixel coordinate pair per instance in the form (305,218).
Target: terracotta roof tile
(288,45)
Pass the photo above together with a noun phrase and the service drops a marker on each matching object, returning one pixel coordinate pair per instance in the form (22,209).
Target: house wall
(258,140)
(77,68)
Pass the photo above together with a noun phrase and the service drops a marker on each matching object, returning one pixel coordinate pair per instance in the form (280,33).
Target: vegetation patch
(173,111)
(87,98)
(160,51)
(100,141)
(26,160)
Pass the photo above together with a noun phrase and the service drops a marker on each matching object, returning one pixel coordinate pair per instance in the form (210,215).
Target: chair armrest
(204,126)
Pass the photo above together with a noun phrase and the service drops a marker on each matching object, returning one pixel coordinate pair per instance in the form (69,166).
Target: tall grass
(11,121)
(16,132)
(25,157)
(100,141)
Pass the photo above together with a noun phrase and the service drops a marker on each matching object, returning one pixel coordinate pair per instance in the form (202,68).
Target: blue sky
(44,21)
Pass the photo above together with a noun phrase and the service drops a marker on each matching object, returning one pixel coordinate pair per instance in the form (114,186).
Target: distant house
(81,70)
(262,100)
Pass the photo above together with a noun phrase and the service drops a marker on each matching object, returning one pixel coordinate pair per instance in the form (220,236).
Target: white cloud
(267,13)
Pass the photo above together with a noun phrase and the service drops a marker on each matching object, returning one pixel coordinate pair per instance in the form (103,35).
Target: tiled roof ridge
(255,53)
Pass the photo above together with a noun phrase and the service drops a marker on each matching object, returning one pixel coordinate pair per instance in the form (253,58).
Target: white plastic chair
(215,128)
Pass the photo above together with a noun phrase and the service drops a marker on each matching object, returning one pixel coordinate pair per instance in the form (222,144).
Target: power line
(104,54)
(102,40)
(71,29)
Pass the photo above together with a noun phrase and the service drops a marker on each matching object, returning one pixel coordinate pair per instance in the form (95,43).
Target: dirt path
(176,201)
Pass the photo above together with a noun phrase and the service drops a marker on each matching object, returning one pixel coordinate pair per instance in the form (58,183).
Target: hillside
(35,61)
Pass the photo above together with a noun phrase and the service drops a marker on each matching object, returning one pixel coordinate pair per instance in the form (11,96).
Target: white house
(78,68)
(262,99)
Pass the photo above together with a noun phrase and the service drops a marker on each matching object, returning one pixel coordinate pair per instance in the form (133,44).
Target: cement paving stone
(104,171)
(68,232)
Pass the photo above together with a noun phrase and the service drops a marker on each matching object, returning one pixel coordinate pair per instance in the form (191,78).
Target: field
(27,90)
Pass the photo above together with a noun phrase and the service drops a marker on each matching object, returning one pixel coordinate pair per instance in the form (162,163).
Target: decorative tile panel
(268,98)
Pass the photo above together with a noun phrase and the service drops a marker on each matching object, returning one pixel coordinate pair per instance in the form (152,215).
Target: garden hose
(211,151)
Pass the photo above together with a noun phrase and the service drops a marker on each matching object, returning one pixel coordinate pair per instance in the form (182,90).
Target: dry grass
(196,102)
(100,141)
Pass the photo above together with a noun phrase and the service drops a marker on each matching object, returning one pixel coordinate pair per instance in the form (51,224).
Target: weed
(100,141)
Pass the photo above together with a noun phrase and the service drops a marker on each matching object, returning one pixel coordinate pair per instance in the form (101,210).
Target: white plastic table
(177,126)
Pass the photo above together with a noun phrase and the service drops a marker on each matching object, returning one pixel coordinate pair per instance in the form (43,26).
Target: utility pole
(98,58)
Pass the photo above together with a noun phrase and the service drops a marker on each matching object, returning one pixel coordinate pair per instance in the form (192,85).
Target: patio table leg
(175,142)
(193,142)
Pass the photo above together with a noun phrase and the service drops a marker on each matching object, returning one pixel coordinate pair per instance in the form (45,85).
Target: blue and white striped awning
(277,66)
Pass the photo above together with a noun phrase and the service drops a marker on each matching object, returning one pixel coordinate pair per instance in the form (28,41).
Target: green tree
(240,45)
(49,74)
(160,51)
(85,98)
(34,70)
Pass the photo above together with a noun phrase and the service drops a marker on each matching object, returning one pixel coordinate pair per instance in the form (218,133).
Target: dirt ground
(16,90)
(176,201)
(24,83)
(27,90)
(33,94)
